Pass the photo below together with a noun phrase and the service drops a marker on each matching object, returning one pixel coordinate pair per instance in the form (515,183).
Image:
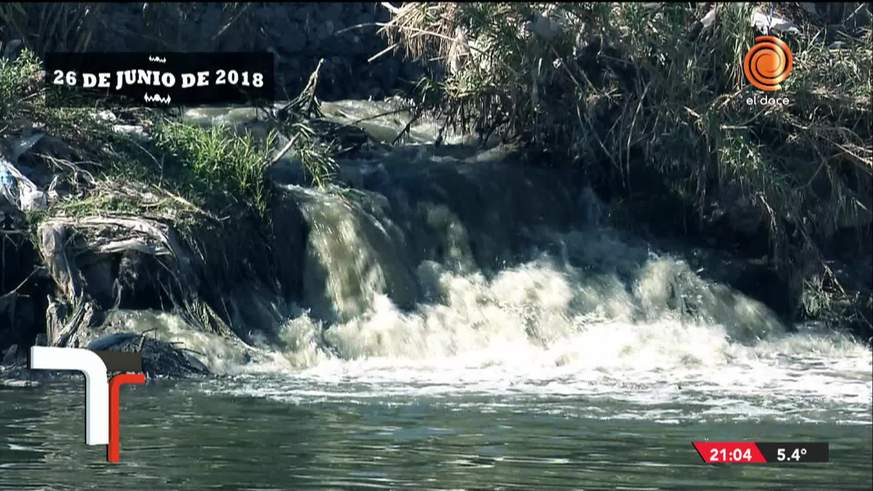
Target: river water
(289,434)
(445,343)
(466,394)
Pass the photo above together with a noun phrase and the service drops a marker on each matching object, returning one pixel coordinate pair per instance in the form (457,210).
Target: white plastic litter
(32,199)
(766,23)
(29,197)
(8,187)
(709,18)
(136,131)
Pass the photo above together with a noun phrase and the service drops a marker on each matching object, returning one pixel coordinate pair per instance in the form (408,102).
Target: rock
(51,145)
(106,343)
(388,71)
(331,11)
(18,319)
(326,30)
(299,11)
(99,278)
(20,146)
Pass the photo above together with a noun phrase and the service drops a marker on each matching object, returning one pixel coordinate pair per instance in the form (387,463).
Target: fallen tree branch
(281,153)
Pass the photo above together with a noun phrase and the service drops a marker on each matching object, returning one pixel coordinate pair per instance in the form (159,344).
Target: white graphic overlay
(96,385)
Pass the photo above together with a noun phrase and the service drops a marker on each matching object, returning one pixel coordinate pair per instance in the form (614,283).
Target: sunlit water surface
(288,433)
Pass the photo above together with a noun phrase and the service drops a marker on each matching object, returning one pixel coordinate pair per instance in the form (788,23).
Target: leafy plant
(17,84)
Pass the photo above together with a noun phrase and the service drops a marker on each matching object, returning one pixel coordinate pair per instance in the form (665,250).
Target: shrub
(652,101)
(17,84)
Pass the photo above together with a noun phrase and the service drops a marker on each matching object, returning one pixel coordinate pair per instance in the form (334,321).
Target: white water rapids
(587,316)
(544,329)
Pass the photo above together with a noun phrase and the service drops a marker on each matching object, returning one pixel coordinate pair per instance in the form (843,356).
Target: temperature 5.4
(794,452)
(761,452)
(782,455)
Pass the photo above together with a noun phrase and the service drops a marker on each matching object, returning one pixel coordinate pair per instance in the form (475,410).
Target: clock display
(762,452)
(730,455)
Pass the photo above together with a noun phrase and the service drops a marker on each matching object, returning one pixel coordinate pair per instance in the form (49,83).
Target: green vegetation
(135,179)
(16,84)
(22,102)
(220,158)
(652,102)
(175,174)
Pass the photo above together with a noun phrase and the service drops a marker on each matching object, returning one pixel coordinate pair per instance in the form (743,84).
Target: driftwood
(52,246)
(72,332)
(63,239)
(103,235)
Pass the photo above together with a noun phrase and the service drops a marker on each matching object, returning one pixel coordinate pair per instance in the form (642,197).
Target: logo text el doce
(766,65)
(101,393)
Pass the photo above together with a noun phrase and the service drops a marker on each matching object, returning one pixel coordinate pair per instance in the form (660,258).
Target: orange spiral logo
(768,63)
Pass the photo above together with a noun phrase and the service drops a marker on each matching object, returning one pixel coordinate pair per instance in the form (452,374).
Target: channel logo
(768,63)
(102,394)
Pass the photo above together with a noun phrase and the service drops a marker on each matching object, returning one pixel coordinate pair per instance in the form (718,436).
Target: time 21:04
(730,455)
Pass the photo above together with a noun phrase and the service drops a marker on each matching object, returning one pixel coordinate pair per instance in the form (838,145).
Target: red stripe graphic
(115,383)
(730,452)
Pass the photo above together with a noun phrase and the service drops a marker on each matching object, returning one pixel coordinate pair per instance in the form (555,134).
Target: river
(443,342)
(287,433)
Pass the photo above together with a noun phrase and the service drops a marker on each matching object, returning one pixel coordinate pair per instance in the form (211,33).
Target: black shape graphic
(794,452)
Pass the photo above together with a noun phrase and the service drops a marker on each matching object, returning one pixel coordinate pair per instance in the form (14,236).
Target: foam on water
(590,317)
(547,330)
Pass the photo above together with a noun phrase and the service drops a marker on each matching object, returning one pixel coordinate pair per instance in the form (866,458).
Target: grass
(652,103)
(221,159)
(22,101)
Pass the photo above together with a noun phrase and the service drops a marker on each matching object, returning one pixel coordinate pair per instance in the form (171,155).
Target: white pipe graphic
(96,385)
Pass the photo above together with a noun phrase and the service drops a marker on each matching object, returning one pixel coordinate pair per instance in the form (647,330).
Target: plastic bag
(33,199)
(8,187)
